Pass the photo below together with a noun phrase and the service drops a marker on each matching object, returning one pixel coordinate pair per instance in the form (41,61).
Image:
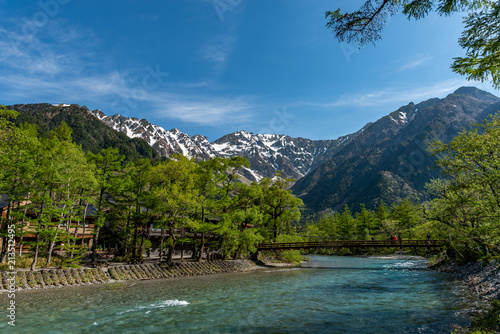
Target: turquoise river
(329,295)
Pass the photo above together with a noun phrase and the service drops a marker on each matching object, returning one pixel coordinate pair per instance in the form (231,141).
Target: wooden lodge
(83,230)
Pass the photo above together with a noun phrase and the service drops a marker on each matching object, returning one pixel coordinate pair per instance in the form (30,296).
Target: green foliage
(406,215)
(488,320)
(403,219)
(468,202)
(365,222)
(86,130)
(346,225)
(290,256)
(279,206)
(481,41)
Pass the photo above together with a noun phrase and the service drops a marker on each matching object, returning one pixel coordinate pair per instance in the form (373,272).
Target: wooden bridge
(351,244)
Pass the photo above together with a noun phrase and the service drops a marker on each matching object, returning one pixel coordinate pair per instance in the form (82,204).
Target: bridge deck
(351,244)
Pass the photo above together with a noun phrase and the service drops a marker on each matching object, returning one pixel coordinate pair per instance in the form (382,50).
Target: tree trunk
(53,241)
(202,247)
(162,238)
(51,247)
(35,257)
(98,227)
(37,246)
(136,231)
(193,256)
(275,229)
(83,234)
(83,226)
(136,235)
(127,226)
(142,242)
(22,227)
(94,245)
(49,252)
(172,246)
(183,232)
(5,222)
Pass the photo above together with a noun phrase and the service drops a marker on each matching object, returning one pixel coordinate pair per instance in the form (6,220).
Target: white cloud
(419,60)
(34,67)
(219,51)
(391,96)
(202,110)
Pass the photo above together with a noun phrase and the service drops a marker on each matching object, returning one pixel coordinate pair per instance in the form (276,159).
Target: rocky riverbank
(482,279)
(52,278)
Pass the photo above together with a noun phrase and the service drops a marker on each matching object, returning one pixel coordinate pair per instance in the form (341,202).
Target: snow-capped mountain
(294,157)
(163,141)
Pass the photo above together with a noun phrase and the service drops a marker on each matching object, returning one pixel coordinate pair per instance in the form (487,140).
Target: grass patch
(25,261)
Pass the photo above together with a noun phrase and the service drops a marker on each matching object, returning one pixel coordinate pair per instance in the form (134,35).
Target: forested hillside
(88,131)
(390,160)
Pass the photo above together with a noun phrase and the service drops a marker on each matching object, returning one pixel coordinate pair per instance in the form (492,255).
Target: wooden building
(25,229)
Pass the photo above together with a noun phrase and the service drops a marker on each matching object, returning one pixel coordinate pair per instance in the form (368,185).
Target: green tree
(173,191)
(139,194)
(381,218)
(207,186)
(18,172)
(240,237)
(364,222)
(216,203)
(247,200)
(108,165)
(406,215)
(347,227)
(279,205)
(328,224)
(479,39)
(468,198)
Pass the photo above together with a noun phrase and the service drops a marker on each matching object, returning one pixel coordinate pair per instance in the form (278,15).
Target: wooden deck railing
(351,244)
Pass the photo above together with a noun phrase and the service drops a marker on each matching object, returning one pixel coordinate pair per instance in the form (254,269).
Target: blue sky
(213,67)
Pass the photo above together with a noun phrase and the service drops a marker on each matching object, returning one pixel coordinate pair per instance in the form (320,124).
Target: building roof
(4,201)
(91,210)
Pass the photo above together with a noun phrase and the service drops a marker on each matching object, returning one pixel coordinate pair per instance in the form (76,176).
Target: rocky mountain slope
(389,160)
(267,154)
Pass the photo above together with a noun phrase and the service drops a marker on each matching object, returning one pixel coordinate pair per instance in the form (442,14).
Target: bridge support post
(256,256)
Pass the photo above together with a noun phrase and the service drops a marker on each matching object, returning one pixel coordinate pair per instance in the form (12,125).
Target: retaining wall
(48,278)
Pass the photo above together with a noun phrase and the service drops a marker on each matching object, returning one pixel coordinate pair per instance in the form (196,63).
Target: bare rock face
(267,153)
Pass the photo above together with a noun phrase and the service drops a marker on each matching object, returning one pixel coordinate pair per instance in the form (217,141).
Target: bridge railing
(351,244)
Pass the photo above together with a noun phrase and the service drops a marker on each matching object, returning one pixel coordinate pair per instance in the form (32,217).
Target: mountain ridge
(267,153)
(390,161)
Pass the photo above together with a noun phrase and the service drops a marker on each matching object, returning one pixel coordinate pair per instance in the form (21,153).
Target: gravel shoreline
(482,279)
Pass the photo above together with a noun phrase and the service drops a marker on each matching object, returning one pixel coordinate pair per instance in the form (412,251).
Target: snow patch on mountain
(267,153)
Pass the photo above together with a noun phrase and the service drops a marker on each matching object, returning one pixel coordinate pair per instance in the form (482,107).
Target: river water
(330,295)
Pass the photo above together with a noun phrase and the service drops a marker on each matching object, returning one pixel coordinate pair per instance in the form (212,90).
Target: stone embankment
(49,278)
(482,279)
